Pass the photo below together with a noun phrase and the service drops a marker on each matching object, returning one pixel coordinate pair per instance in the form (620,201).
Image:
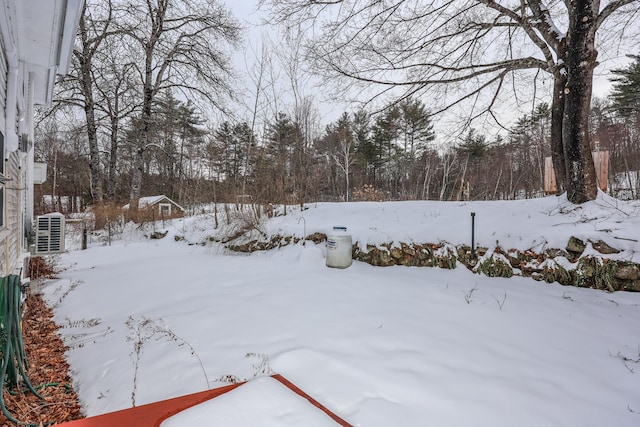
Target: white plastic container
(339,246)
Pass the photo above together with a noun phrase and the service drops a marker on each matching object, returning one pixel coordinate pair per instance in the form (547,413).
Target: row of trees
(474,53)
(390,155)
(148,76)
(131,57)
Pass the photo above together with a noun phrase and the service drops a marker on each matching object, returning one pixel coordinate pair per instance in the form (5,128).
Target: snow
(377,346)
(148,201)
(262,402)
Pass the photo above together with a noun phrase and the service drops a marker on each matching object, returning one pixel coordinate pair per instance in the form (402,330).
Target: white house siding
(14,199)
(3,101)
(36,43)
(3,84)
(12,247)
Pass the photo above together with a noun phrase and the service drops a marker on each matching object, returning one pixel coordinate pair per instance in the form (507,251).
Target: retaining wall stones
(566,266)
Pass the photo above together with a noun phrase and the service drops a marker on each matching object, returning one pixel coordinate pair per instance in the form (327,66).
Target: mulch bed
(48,372)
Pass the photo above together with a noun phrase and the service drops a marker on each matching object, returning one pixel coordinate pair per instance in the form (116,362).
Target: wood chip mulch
(48,372)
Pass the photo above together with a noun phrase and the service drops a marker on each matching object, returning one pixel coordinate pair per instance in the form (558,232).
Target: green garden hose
(14,360)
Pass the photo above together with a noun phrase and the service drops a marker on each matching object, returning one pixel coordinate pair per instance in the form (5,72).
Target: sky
(447,125)
(257,33)
(378,346)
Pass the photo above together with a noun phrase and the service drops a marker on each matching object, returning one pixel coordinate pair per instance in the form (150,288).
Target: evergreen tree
(175,149)
(283,138)
(231,143)
(367,153)
(386,133)
(416,126)
(625,94)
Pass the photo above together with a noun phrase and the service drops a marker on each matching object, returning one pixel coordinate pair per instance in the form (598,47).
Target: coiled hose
(14,360)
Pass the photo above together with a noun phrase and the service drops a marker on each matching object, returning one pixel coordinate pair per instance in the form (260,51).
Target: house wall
(5,232)
(13,247)
(3,83)
(14,120)
(36,44)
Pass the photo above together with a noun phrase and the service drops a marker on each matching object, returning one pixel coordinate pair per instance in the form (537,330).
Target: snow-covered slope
(397,346)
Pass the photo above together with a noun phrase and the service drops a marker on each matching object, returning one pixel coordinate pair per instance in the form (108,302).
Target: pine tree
(625,94)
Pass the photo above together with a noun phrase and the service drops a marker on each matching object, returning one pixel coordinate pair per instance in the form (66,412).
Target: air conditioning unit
(49,234)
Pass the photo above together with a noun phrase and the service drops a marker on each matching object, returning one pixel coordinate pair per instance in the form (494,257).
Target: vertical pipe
(473,235)
(85,234)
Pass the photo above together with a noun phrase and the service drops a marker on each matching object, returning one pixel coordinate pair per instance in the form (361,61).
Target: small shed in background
(161,207)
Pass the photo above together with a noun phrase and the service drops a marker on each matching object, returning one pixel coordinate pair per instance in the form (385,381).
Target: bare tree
(257,75)
(119,100)
(341,135)
(471,51)
(79,88)
(182,45)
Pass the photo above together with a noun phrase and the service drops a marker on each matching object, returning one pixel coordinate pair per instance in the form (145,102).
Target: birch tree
(79,89)
(342,135)
(470,53)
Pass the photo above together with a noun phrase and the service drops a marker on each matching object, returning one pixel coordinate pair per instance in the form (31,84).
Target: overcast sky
(252,19)
(245,11)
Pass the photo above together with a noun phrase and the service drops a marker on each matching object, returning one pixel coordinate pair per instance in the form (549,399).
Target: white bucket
(339,246)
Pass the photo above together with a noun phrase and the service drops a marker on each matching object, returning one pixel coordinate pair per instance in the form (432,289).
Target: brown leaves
(39,267)
(48,372)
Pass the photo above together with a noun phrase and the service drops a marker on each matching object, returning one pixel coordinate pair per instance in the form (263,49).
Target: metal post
(473,235)
(84,237)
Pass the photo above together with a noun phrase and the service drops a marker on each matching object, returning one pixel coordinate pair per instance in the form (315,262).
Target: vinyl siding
(12,235)
(3,84)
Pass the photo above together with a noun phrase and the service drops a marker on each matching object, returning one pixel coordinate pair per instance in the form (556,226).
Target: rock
(316,237)
(626,272)
(423,253)
(396,253)
(494,266)
(158,234)
(384,259)
(603,247)
(584,274)
(591,271)
(514,261)
(554,253)
(575,245)
(554,273)
(409,250)
(631,285)
(445,257)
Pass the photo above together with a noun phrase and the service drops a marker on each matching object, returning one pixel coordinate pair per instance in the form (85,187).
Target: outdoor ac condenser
(49,234)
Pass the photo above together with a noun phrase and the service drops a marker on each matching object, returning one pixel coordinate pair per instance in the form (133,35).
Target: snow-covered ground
(146,320)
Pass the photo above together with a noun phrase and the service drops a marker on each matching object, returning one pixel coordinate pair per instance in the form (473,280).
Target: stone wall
(566,266)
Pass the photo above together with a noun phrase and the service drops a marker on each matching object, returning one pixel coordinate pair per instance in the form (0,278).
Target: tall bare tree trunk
(138,161)
(86,86)
(581,60)
(147,100)
(557,145)
(113,157)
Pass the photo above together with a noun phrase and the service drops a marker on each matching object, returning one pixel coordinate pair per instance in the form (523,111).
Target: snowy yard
(395,346)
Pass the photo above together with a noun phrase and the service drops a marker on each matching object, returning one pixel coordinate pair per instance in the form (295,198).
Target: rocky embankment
(573,265)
